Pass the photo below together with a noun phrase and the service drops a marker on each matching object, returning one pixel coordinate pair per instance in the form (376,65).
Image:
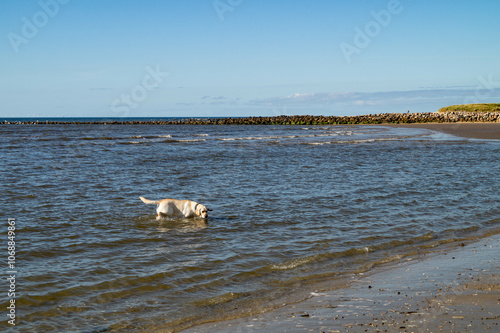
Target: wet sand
(454,290)
(467,130)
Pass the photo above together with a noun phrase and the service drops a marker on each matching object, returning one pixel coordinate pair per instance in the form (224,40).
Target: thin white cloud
(220,100)
(376,98)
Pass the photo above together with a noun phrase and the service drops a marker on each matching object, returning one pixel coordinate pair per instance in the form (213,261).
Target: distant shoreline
(382,118)
(488,131)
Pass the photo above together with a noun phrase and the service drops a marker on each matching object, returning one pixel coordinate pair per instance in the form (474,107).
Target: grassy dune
(490,107)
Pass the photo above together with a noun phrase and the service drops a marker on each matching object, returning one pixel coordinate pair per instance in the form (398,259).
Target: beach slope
(455,290)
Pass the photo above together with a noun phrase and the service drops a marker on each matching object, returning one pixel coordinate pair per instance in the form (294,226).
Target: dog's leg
(187,211)
(164,211)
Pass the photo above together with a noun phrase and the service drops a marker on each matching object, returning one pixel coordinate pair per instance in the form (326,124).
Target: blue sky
(76,58)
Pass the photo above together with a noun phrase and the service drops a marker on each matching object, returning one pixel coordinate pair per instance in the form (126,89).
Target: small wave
(92,138)
(190,140)
(319,143)
(362,141)
(352,142)
(183,140)
(292,264)
(295,263)
(221,299)
(161,136)
(130,142)
(249,138)
(275,137)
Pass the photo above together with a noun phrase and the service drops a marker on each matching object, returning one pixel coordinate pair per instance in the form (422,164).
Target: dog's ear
(210,210)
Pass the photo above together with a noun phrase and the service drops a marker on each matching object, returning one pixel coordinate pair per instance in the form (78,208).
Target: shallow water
(292,206)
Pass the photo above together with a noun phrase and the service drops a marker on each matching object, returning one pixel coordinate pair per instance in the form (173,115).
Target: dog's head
(202,211)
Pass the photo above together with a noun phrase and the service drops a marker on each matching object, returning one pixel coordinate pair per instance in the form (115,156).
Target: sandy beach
(489,131)
(454,290)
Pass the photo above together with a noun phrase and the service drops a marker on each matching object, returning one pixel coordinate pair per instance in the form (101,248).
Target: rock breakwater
(382,118)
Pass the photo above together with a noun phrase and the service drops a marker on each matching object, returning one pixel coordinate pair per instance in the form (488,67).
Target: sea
(295,209)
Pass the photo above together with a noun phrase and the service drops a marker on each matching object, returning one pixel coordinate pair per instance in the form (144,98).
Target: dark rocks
(382,118)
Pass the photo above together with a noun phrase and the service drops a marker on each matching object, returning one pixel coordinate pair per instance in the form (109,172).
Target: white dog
(178,208)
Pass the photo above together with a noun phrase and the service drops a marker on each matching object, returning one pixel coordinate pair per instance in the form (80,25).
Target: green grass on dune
(489,107)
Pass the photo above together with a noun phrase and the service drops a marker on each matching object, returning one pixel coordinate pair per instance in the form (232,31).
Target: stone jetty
(382,118)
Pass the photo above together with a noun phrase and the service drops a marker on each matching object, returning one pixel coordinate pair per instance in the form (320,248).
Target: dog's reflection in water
(182,225)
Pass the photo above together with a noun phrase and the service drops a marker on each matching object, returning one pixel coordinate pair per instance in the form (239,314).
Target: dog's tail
(149,202)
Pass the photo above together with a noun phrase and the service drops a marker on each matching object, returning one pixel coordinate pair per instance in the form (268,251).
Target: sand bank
(457,290)
(466,130)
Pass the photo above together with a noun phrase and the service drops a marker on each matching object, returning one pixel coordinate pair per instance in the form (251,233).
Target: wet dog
(178,208)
